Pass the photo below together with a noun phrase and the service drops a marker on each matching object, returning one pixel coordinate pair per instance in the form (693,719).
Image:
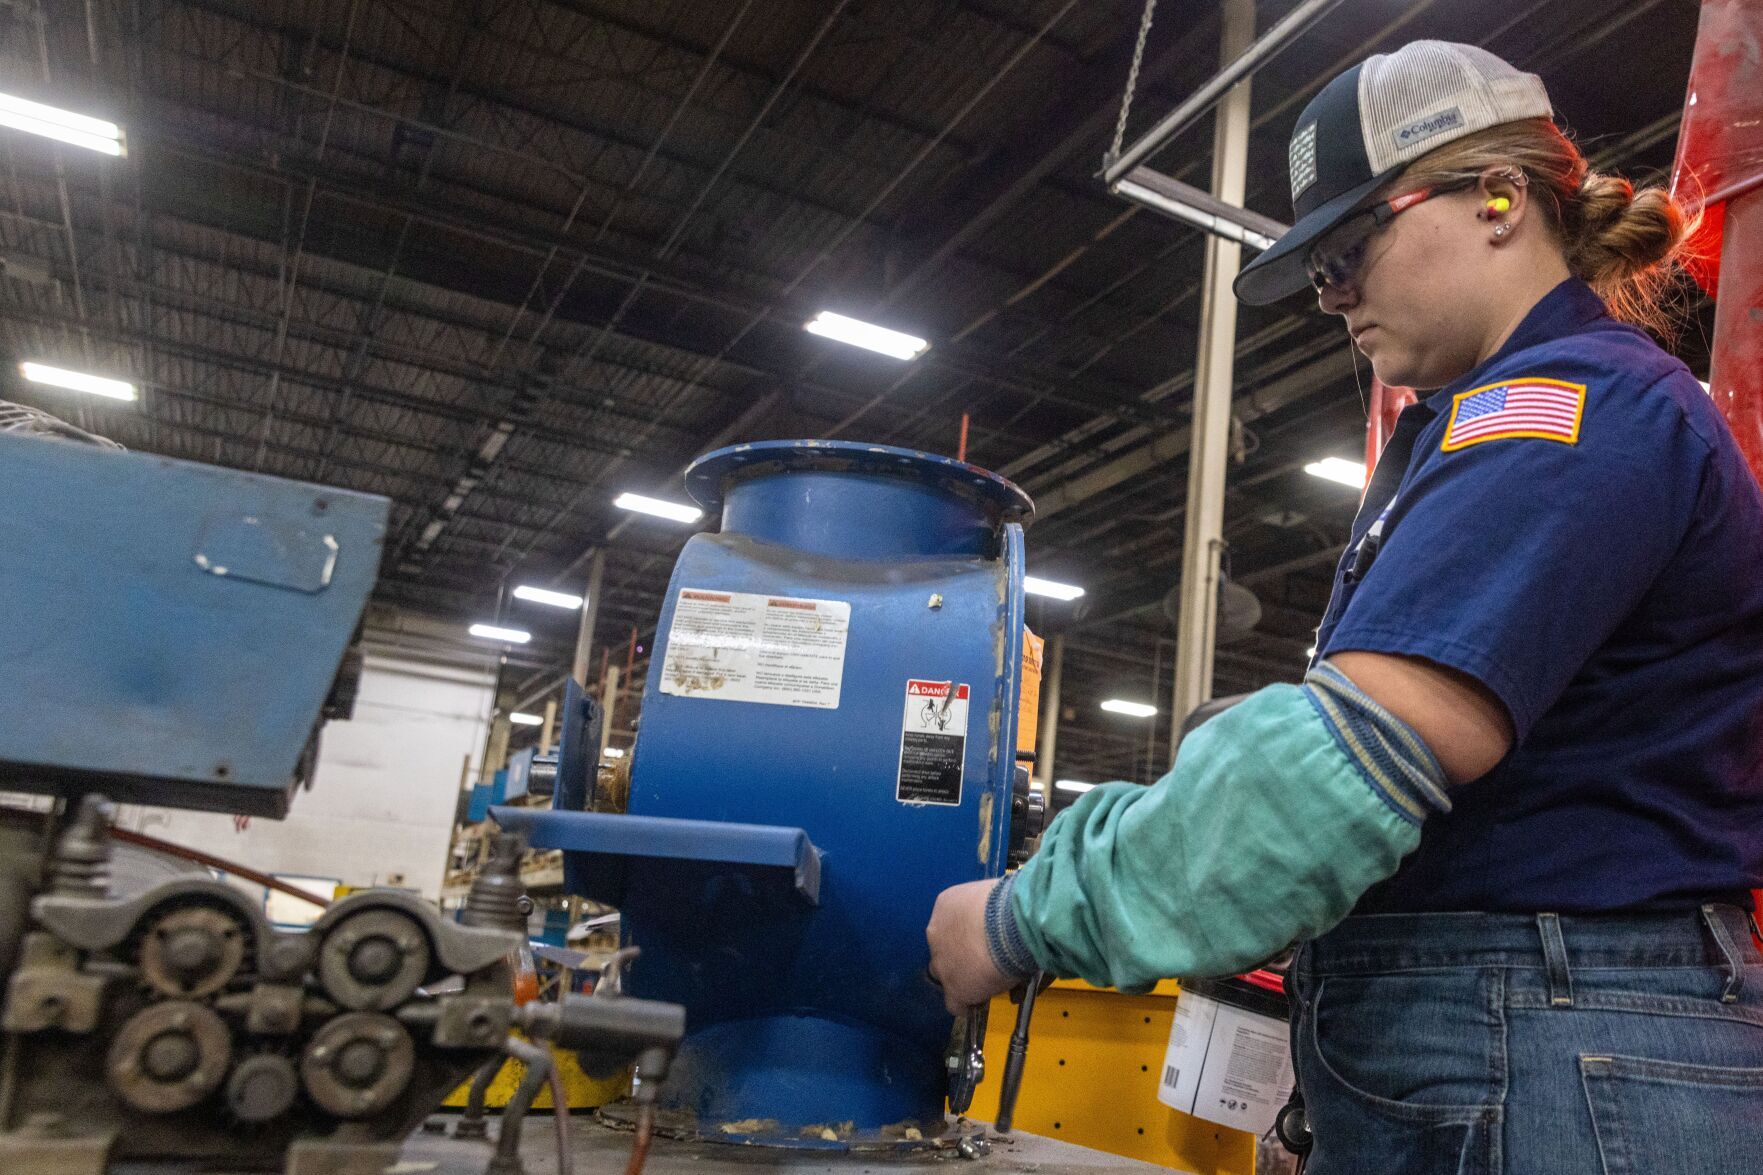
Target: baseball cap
(1367,125)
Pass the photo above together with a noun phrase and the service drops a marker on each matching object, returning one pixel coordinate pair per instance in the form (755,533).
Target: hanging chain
(1132,80)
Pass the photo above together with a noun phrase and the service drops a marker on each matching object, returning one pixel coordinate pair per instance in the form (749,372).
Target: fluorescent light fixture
(539,595)
(1130,709)
(80,130)
(513,636)
(520,719)
(867,335)
(1200,218)
(77,381)
(1348,473)
(657,507)
(1076,785)
(615,752)
(1035,586)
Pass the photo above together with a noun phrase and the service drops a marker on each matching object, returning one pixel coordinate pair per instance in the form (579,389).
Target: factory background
(514,265)
(503,262)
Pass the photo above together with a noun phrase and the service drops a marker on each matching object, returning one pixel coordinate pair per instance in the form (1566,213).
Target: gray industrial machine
(177,634)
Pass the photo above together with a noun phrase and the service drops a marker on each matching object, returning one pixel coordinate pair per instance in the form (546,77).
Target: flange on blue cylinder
(827,741)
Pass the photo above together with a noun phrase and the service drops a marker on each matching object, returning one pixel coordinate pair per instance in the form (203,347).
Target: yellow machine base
(584,1092)
(1094,1058)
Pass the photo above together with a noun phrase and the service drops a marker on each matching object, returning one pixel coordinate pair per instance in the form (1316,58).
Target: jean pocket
(1389,1087)
(1669,1118)
(1417,1045)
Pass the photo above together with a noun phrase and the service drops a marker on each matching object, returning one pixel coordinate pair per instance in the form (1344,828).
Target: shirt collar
(1567,309)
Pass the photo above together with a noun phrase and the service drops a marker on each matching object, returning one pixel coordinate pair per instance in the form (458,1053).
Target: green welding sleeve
(1279,813)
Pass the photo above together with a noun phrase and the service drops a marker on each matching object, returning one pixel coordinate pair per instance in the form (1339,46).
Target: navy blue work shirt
(1572,525)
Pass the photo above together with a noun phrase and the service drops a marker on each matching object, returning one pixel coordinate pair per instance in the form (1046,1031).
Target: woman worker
(1513,810)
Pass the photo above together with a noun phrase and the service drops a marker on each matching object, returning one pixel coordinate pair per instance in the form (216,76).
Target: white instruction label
(1226,1065)
(742,647)
(933,743)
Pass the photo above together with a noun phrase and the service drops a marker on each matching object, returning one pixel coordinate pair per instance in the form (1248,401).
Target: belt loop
(1735,975)
(1555,959)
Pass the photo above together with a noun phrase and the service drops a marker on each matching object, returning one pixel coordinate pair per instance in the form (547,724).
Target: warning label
(933,743)
(742,647)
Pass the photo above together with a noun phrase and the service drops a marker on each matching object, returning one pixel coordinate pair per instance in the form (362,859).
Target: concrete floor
(600,1151)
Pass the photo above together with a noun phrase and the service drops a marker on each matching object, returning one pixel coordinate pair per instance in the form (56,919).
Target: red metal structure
(1720,168)
(1386,404)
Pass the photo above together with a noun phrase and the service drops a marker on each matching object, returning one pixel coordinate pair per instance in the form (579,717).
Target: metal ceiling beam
(507,99)
(1159,450)
(748,69)
(248,364)
(1201,100)
(1019,378)
(1082,97)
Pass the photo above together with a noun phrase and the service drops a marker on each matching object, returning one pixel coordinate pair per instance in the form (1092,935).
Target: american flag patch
(1546,408)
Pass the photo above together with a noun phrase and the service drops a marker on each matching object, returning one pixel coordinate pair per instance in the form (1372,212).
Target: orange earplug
(1497,206)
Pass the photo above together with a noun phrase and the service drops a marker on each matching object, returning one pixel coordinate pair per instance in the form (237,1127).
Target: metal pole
(609,696)
(1050,674)
(496,753)
(1196,628)
(1244,58)
(584,635)
(548,731)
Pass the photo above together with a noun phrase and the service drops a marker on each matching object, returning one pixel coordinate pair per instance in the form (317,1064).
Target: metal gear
(169,1056)
(358,1064)
(192,952)
(373,961)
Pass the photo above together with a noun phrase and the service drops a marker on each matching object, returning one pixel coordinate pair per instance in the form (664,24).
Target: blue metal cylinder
(803,1015)
(867,502)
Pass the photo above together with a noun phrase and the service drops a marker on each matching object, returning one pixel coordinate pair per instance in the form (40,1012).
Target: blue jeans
(1464,1044)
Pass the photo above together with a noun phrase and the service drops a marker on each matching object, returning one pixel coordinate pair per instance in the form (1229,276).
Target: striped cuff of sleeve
(1004,941)
(1394,761)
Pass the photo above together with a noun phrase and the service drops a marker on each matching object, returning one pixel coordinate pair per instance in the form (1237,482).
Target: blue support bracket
(656,839)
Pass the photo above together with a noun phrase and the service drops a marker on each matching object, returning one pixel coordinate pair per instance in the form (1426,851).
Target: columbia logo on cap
(1423,129)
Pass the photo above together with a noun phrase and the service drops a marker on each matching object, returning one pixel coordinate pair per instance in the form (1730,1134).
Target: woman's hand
(959,960)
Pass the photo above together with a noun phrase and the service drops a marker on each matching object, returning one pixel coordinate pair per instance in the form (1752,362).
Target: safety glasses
(1336,260)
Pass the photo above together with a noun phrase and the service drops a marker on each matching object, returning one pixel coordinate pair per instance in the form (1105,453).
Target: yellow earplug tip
(1500,204)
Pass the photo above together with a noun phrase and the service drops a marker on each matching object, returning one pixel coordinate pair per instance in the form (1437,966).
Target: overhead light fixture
(1036,586)
(539,595)
(1348,473)
(77,381)
(79,130)
(1201,218)
(1130,709)
(656,506)
(513,636)
(520,719)
(1073,785)
(857,333)
(615,752)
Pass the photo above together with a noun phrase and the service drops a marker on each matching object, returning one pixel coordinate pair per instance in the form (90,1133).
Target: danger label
(744,647)
(933,743)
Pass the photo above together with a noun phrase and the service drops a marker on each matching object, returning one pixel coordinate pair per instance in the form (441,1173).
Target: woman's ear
(1502,195)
